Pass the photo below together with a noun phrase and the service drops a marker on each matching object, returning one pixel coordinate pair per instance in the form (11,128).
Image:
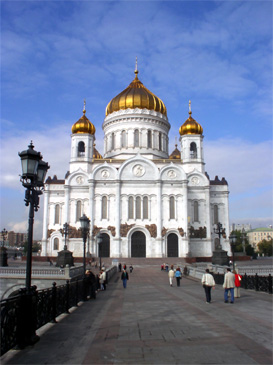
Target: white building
(145,201)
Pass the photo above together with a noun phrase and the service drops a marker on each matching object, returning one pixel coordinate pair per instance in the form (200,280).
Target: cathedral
(141,199)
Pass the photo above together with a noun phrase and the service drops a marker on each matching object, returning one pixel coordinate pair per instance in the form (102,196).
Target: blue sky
(218,54)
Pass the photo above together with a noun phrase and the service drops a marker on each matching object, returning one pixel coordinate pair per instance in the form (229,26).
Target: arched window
(123,139)
(136,138)
(145,207)
(193,150)
(104,208)
(81,149)
(160,141)
(113,141)
(131,208)
(149,139)
(57,214)
(215,214)
(196,211)
(172,211)
(138,207)
(78,210)
(56,244)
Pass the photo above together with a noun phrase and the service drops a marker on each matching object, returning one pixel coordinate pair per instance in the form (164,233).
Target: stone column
(91,214)
(66,207)
(45,223)
(159,216)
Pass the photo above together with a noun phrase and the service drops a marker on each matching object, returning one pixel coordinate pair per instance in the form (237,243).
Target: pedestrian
(167,267)
(229,284)
(124,267)
(124,278)
(171,275)
(101,280)
(104,278)
(119,267)
(208,283)
(131,268)
(238,279)
(178,276)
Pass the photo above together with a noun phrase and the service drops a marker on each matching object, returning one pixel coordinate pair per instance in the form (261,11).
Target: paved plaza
(150,322)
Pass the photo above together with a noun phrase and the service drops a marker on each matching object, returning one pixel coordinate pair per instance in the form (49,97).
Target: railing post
(67,296)
(54,303)
(269,284)
(256,282)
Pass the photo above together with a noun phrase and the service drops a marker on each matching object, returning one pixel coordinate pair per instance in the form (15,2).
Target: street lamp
(99,240)
(243,235)
(220,231)
(34,171)
(3,250)
(85,226)
(65,256)
(232,240)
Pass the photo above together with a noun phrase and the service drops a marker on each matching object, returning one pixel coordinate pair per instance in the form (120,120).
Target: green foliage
(35,247)
(265,247)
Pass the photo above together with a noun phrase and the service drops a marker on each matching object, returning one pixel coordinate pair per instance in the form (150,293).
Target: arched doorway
(104,247)
(172,245)
(138,244)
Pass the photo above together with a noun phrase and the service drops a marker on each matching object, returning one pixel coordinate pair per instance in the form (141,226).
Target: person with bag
(208,283)
(238,279)
(178,276)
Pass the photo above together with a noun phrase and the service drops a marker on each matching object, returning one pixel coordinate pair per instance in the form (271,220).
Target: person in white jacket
(171,275)
(208,283)
(229,284)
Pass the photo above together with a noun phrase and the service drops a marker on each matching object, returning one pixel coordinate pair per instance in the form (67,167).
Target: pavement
(151,322)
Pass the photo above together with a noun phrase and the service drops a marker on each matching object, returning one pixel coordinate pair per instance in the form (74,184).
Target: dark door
(104,249)
(172,245)
(138,245)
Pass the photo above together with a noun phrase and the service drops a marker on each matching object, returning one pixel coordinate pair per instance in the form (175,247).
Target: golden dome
(83,125)
(96,153)
(136,95)
(176,154)
(190,126)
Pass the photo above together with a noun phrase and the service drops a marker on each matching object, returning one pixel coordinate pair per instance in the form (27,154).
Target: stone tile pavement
(150,322)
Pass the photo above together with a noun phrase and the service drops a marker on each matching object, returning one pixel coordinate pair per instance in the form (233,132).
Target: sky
(218,54)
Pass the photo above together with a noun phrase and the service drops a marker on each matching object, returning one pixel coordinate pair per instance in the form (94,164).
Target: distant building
(240,227)
(16,239)
(257,235)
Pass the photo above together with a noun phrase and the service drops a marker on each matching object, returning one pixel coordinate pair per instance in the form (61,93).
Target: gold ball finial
(189,107)
(84,110)
(136,70)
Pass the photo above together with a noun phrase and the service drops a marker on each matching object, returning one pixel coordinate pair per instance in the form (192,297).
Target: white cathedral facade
(144,201)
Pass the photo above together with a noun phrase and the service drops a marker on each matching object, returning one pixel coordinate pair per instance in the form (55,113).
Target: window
(78,210)
(193,150)
(160,141)
(196,212)
(131,208)
(215,214)
(172,212)
(138,207)
(149,139)
(123,139)
(104,208)
(57,214)
(136,138)
(81,149)
(56,244)
(145,207)
(113,141)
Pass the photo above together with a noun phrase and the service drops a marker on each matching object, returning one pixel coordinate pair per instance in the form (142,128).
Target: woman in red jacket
(238,279)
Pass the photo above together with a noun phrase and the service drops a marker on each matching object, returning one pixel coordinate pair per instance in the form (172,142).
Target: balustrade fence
(24,313)
(254,282)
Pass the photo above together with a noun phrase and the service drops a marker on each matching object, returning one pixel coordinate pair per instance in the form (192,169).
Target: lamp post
(34,171)
(85,226)
(3,250)
(243,235)
(232,240)
(220,231)
(99,240)
(65,256)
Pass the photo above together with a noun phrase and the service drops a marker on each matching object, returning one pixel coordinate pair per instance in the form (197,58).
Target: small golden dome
(136,95)
(176,154)
(96,153)
(83,125)
(190,126)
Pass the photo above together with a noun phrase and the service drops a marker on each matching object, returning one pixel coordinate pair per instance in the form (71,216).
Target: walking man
(229,284)
(171,275)
(124,278)
(208,283)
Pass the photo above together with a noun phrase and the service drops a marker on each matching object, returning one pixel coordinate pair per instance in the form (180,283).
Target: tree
(265,247)
(35,247)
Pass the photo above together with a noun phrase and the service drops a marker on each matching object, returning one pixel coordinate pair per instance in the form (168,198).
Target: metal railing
(24,313)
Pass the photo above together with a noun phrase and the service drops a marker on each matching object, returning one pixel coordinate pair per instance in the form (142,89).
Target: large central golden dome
(136,95)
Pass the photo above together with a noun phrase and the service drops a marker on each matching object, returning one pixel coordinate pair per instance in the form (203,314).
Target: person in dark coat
(124,278)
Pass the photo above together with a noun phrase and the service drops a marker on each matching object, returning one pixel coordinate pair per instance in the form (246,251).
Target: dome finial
(136,70)
(84,103)
(189,107)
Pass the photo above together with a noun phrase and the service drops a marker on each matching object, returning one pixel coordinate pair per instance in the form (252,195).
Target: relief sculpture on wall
(125,228)
(112,230)
(201,232)
(152,229)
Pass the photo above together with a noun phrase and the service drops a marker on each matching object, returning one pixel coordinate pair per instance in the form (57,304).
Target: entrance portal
(138,244)
(172,245)
(104,247)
